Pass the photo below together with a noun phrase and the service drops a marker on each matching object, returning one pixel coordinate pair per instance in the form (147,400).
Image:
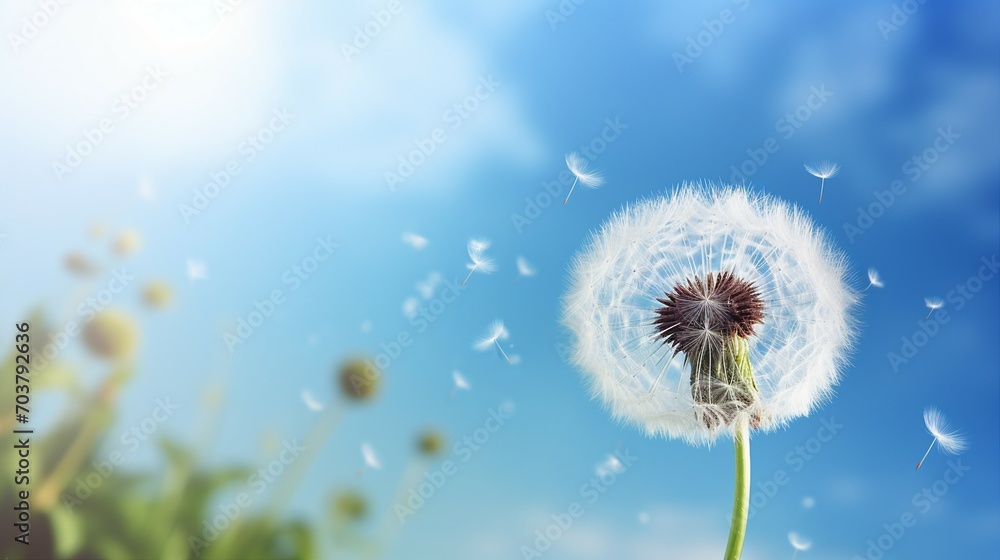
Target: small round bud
(359,379)
(111,334)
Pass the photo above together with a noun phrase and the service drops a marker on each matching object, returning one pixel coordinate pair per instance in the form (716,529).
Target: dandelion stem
(570,193)
(929,314)
(741,497)
(500,348)
(822,182)
(933,441)
(470,274)
(794,554)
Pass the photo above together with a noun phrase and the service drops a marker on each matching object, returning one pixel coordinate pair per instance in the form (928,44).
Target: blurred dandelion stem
(321,432)
(741,498)
(97,421)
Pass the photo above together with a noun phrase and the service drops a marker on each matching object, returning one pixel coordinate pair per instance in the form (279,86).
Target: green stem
(741,497)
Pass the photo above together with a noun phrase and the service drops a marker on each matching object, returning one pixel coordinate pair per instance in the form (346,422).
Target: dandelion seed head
(480,262)
(580,168)
(460,381)
(822,169)
(934,303)
(949,440)
(672,278)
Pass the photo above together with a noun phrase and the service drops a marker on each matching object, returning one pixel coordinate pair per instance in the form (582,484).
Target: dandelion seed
(933,304)
(427,287)
(311,401)
(494,334)
(410,306)
(708,312)
(370,458)
(874,279)
(195,270)
(609,467)
(480,262)
(824,170)
(418,242)
(460,383)
(948,440)
(524,268)
(580,168)
(799,543)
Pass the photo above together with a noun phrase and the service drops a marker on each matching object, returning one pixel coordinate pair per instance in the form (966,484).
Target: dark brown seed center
(708,311)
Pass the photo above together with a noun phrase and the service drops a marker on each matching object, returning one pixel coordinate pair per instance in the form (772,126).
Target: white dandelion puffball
(709,304)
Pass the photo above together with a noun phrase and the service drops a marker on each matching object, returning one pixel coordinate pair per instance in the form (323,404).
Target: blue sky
(926,90)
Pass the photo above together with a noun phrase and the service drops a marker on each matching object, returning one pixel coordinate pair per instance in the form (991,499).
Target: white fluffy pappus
(644,251)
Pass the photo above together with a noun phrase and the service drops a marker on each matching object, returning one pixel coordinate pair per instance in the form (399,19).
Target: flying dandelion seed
(311,401)
(824,170)
(708,312)
(195,270)
(933,304)
(418,242)
(610,466)
(370,458)
(580,168)
(798,543)
(874,279)
(410,306)
(494,334)
(460,383)
(524,268)
(948,440)
(480,262)
(427,287)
